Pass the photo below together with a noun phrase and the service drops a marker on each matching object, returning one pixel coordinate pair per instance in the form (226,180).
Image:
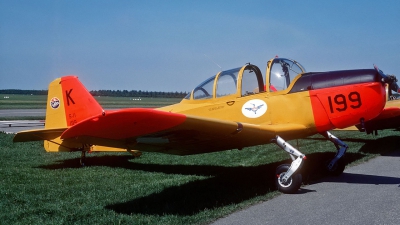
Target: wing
(173,133)
(388,119)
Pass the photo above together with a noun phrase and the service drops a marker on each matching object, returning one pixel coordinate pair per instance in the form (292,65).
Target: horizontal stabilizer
(38,135)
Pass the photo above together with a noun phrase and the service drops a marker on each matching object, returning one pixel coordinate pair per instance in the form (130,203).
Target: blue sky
(172,45)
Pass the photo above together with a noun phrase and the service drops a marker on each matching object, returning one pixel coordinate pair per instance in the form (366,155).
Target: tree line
(113,93)
(23,92)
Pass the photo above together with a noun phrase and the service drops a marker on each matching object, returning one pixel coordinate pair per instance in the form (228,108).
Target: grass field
(50,188)
(22,101)
(39,102)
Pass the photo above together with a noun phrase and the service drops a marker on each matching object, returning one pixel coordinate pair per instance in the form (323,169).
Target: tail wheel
(292,185)
(82,159)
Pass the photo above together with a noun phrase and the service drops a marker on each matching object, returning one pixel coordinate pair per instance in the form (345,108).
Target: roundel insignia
(55,103)
(254,108)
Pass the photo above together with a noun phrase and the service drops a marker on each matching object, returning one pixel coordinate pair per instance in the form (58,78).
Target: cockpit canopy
(248,80)
(240,81)
(282,73)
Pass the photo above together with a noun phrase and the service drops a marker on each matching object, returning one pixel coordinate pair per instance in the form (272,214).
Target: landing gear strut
(84,149)
(83,158)
(336,165)
(288,180)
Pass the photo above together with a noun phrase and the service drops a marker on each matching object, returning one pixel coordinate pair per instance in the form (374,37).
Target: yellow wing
(173,133)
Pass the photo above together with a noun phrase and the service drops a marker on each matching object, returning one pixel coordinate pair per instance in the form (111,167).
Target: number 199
(340,104)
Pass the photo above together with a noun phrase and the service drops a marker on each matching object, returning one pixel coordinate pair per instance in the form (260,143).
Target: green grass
(39,102)
(129,102)
(23,101)
(50,188)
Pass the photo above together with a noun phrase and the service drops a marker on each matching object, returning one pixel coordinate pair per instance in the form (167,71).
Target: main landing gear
(336,165)
(85,148)
(288,180)
(89,149)
(288,177)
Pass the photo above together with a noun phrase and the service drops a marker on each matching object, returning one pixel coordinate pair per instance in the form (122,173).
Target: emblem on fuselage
(55,103)
(254,108)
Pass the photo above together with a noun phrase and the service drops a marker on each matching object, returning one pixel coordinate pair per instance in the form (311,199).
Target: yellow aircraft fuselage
(236,108)
(233,109)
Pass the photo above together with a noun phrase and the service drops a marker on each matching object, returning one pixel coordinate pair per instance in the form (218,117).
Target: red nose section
(344,106)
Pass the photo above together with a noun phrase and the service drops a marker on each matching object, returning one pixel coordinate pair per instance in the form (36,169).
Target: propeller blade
(385,78)
(391,80)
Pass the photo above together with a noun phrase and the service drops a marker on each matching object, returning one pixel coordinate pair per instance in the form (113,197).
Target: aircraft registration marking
(72,119)
(69,98)
(216,108)
(340,104)
(254,108)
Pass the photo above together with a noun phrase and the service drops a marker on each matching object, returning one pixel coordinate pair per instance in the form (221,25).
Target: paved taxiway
(14,128)
(22,112)
(20,126)
(365,194)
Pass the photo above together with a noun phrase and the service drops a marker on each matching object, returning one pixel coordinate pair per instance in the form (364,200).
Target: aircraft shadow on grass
(225,185)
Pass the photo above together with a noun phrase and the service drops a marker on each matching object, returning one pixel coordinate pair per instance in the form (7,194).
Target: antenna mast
(213,61)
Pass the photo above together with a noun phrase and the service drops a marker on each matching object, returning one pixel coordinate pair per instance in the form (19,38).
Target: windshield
(283,71)
(226,85)
(227,82)
(205,89)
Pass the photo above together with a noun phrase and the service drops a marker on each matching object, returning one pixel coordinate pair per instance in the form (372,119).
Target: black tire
(292,185)
(337,169)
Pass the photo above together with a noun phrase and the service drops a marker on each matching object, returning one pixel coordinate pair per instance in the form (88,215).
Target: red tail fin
(78,103)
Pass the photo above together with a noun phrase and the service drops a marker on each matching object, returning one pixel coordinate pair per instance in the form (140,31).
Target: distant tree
(23,92)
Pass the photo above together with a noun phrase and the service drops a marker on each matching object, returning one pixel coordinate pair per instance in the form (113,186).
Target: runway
(20,125)
(22,112)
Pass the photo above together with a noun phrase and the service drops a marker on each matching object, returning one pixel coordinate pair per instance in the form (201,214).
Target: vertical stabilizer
(68,103)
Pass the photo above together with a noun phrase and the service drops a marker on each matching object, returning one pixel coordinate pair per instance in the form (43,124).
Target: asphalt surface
(11,127)
(22,112)
(365,194)
(17,126)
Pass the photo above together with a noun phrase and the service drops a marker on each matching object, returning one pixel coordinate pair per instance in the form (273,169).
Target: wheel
(337,169)
(82,162)
(290,186)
